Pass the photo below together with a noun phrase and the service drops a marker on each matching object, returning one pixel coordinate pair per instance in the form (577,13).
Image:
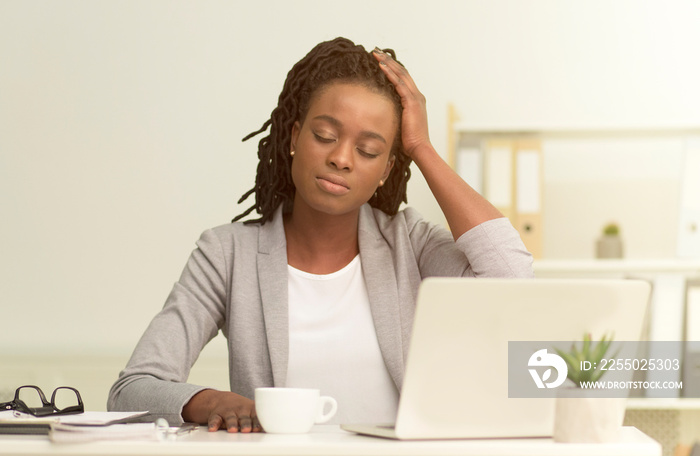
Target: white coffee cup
(292,410)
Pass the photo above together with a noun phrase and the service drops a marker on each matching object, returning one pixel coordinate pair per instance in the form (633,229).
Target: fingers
(403,82)
(243,423)
(235,423)
(395,72)
(215,423)
(414,120)
(248,424)
(227,410)
(256,424)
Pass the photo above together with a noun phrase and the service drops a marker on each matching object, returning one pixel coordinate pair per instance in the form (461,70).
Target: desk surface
(328,440)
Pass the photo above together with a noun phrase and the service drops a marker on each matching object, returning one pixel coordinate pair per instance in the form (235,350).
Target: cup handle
(322,401)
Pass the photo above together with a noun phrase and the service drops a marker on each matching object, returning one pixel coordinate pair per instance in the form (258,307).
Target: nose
(341,157)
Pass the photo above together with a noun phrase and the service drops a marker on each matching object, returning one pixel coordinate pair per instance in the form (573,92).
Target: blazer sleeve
(155,377)
(491,249)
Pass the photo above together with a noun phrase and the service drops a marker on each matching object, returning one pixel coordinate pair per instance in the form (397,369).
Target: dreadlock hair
(338,60)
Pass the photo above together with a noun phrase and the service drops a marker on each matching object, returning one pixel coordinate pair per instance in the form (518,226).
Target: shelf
(663,404)
(689,267)
(562,130)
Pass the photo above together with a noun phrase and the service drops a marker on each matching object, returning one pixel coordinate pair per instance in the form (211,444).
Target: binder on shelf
(689,221)
(513,184)
(508,172)
(528,194)
(470,163)
(499,175)
(666,310)
(691,355)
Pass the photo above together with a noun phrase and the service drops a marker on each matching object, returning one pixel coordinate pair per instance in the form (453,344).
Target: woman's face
(343,148)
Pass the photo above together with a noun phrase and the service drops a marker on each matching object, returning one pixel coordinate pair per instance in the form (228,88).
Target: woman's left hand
(414,122)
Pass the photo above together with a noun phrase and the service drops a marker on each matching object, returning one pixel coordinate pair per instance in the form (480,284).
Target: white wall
(120,123)
(633,181)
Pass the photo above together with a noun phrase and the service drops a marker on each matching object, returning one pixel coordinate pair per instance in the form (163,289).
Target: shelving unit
(521,197)
(457,128)
(669,421)
(691,404)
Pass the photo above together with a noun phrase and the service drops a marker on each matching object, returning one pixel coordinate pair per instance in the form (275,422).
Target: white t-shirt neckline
(331,276)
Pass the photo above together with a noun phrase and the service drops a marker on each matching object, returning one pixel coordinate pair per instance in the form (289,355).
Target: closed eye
(367,154)
(323,139)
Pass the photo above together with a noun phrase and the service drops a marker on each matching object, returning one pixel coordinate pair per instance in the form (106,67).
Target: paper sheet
(86,418)
(67,433)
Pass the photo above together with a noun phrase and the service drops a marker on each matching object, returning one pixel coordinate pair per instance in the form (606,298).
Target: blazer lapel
(272,278)
(380,278)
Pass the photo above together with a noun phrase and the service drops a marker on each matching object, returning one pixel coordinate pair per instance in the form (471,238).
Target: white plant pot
(587,419)
(609,246)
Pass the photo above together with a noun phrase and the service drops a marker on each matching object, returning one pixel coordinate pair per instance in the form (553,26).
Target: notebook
(12,422)
(456,378)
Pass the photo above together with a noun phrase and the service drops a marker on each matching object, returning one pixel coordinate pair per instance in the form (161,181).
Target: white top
(333,345)
(330,440)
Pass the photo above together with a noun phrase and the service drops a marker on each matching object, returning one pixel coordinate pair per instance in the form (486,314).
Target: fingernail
(378,51)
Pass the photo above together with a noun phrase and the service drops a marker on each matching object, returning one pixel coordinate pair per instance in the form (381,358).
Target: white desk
(328,440)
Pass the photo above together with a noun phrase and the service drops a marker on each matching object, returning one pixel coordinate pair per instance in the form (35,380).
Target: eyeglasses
(31,399)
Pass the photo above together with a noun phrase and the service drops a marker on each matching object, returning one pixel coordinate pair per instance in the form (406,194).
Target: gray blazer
(236,282)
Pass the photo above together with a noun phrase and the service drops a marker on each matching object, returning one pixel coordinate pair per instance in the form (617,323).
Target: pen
(186,428)
(168,433)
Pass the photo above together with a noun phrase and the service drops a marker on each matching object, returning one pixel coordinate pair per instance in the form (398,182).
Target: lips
(333,184)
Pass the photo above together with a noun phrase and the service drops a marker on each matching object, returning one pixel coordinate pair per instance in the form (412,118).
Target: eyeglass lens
(31,397)
(64,398)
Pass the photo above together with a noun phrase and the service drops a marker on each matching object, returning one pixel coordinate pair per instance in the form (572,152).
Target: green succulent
(611,229)
(591,352)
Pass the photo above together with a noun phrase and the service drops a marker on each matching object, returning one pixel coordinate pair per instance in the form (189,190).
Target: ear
(295,134)
(389,167)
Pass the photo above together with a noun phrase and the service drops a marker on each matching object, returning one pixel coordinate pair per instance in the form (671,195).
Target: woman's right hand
(222,410)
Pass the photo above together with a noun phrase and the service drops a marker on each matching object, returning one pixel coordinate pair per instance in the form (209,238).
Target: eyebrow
(335,122)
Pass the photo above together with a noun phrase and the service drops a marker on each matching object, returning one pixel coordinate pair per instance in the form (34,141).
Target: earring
(381,183)
(291,153)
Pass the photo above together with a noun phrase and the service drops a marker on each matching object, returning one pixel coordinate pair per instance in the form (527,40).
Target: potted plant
(589,355)
(609,244)
(580,418)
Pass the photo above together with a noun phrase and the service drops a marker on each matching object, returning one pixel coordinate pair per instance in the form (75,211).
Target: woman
(320,290)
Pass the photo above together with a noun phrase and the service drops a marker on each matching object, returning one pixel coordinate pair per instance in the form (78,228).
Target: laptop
(456,378)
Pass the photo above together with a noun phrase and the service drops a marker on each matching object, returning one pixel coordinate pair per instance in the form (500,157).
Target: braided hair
(338,60)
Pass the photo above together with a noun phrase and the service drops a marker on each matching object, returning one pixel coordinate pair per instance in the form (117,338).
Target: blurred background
(121,126)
